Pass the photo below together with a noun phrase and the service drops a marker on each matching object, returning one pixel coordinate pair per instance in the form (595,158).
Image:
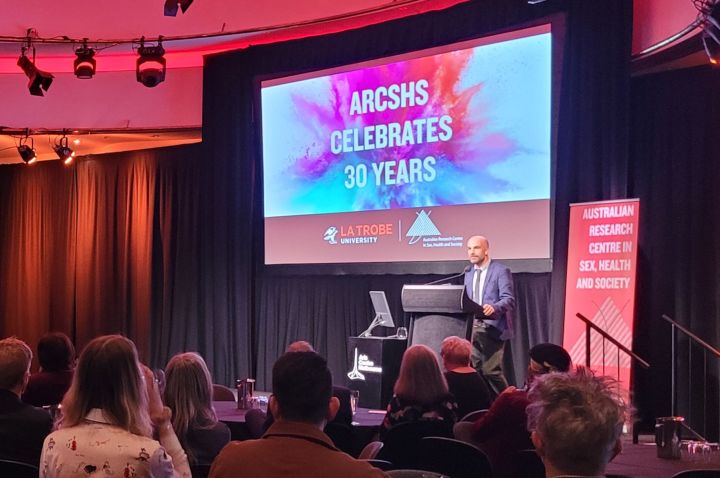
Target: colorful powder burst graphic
(468,154)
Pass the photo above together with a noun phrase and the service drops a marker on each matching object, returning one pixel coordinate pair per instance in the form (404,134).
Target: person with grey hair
(575,420)
(464,382)
(23,428)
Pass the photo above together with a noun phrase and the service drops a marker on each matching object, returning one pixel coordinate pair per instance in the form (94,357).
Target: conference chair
(221,393)
(379,464)
(454,458)
(371,450)
(474,415)
(698,474)
(401,445)
(18,469)
(463,431)
(414,474)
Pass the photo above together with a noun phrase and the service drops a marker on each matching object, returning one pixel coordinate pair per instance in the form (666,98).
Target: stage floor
(641,461)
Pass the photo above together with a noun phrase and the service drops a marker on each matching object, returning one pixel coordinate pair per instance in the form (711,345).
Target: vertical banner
(602,260)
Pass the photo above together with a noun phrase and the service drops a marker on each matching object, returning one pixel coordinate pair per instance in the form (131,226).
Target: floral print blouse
(98,448)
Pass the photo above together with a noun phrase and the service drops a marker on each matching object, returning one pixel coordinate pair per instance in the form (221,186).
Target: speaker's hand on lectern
(488,310)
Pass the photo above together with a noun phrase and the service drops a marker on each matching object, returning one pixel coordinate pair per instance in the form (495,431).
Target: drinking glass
(263,403)
(402,333)
(354,399)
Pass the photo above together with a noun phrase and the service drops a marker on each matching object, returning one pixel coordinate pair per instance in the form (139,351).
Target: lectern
(438,311)
(375,364)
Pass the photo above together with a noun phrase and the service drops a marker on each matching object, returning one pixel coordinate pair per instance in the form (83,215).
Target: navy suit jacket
(499,292)
(23,429)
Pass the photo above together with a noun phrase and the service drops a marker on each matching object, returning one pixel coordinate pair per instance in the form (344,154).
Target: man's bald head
(477,248)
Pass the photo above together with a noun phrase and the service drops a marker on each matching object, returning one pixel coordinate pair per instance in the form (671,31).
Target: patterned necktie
(476,290)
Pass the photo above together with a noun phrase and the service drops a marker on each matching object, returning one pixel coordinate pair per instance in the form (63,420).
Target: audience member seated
(295,444)
(22,427)
(576,420)
(464,382)
(259,422)
(56,355)
(107,420)
(344,414)
(502,431)
(188,393)
(421,392)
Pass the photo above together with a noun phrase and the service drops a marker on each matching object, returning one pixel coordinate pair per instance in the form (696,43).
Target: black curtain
(675,172)
(325,310)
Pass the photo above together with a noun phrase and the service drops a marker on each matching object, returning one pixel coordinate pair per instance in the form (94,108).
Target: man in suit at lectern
(489,284)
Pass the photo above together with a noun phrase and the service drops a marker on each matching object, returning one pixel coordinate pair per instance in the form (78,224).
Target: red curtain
(76,253)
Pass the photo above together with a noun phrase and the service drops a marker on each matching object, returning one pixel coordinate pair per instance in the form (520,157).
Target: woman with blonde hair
(421,392)
(188,393)
(108,418)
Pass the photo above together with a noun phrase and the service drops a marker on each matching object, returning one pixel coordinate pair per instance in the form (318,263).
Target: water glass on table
(354,399)
(401,333)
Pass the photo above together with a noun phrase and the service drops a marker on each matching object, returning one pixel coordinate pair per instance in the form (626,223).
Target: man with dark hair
(259,422)
(576,420)
(56,355)
(295,444)
(23,428)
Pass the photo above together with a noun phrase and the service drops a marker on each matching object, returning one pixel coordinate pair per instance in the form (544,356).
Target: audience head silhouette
(109,377)
(420,379)
(15,358)
(300,346)
(455,352)
(576,420)
(302,389)
(56,352)
(188,393)
(546,358)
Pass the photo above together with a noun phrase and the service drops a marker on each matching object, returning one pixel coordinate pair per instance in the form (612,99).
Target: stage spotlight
(84,64)
(38,80)
(63,151)
(711,32)
(712,49)
(171,6)
(150,68)
(27,152)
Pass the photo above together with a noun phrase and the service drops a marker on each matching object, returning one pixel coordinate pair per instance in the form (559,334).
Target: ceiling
(112,112)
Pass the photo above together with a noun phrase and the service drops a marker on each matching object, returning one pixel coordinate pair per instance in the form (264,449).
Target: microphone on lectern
(465,271)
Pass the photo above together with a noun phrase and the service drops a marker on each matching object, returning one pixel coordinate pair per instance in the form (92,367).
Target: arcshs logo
(422,227)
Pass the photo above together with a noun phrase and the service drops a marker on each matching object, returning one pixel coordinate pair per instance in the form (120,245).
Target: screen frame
(557,25)
(382,308)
